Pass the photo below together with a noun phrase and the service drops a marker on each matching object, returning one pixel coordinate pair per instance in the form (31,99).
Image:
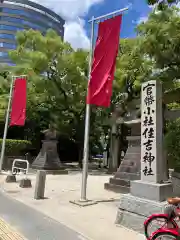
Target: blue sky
(77,13)
(138,10)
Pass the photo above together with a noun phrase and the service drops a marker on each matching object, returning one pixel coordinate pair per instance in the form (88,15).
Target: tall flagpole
(7,120)
(6,124)
(87,124)
(87,118)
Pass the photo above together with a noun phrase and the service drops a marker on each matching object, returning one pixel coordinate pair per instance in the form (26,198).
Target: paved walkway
(97,222)
(8,233)
(31,223)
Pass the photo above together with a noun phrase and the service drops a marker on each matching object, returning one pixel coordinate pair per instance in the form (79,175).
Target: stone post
(148,195)
(114,144)
(113,164)
(40,184)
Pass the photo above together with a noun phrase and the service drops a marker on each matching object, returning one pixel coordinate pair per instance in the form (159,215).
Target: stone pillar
(114,147)
(40,184)
(148,195)
(152,159)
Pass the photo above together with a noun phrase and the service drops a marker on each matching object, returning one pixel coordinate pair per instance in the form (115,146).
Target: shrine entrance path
(16,217)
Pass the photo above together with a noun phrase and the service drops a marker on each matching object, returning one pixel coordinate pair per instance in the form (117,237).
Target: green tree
(4,91)
(57,82)
(162,4)
(132,67)
(160,43)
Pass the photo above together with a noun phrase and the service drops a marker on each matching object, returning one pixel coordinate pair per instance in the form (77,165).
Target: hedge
(15,147)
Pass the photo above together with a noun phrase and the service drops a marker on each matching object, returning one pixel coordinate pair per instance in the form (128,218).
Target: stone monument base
(25,183)
(61,171)
(152,191)
(11,178)
(175,177)
(129,169)
(145,199)
(48,158)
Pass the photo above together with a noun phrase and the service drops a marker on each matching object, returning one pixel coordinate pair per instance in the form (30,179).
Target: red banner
(104,62)
(18,110)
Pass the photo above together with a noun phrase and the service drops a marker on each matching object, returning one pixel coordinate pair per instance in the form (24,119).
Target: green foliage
(174,105)
(57,83)
(172,143)
(160,43)
(162,4)
(56,79)
(57,75)
(4,90)
(132,67)
(15,147)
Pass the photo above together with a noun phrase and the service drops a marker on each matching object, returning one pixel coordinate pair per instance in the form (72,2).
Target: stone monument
(48,158)
(148,195)
(129,168)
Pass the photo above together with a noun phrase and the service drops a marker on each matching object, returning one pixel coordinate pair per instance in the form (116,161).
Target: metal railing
(15,168)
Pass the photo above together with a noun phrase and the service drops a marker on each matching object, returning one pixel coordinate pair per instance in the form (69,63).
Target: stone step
(116,188)
(132,151)
(128,169)
(128,176)
(118,181)
(127,163)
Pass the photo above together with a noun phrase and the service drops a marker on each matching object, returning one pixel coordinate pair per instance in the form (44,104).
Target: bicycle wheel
(164,236)
(156,222)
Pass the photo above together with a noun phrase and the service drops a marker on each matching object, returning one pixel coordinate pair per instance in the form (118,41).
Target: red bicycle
(157,224)
(165,233)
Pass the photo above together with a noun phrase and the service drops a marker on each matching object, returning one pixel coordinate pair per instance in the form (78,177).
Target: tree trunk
(80,155)
(164,132)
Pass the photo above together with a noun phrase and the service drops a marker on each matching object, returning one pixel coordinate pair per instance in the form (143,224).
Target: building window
(11,19)
(11,64)
(4,54)
(48,24)
(7,45)
(24,22)
(33,25)
(22,12)
(11,28)
(8,36)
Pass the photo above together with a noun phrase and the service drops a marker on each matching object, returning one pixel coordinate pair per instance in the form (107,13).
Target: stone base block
(175,177)
(57,172)
(118,185)
(25,183)
(151,191)
(11,178)
(133,211)
(116,188)
(83,203)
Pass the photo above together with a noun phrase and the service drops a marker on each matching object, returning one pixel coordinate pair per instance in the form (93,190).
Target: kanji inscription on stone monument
(151,131)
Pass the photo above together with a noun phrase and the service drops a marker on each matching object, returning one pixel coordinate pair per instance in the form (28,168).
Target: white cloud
(178,4)
(75,34)
(71,11)
(142,19)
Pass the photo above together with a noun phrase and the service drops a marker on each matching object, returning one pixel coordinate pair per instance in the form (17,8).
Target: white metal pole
(109,14)
(87,124)
(87,118)
(6,124)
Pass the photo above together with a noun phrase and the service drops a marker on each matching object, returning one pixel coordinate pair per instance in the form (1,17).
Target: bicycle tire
(174,224)
(160,234)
